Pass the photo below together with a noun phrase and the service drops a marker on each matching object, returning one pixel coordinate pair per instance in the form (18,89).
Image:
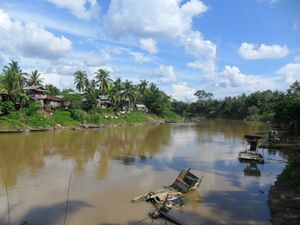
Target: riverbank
(76,119)
(284,195)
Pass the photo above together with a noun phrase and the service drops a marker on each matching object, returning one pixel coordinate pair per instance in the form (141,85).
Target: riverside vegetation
(17,110)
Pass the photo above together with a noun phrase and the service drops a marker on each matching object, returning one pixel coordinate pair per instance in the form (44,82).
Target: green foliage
(156,100)
(78,115)
(17,120)
(64,118)
(94,118)
(259,106)
(291,173)
(52,90)
(7,107)
(172,116)
(32,108)
(73,101)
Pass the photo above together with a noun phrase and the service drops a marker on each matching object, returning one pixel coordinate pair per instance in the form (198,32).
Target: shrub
(7,107)
(32,108)
(78,115)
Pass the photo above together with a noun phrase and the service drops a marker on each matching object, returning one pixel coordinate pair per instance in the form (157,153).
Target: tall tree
(52,90)
(13,79)
(142,87)
(80,80)
(104,81)
(34,79)
(91,95)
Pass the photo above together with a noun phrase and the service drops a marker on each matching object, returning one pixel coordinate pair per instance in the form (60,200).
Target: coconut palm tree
(91,94)
(114,96)
(129,93)
(52,90)
(13,79)
(80,80)
(34,79)
(104,81)
(142,87)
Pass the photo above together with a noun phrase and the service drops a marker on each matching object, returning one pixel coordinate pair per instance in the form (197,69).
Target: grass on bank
(74,117)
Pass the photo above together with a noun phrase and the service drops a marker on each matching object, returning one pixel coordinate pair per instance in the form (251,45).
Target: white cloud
(203,50)
(198,47)
(82,9)
(250,51)
(149,45)
(180,91)
(232,76)
(234,82)
(290,71)
(167,74)
(97,59)
(30,39)
(153,17)
(139,57)
(67,67)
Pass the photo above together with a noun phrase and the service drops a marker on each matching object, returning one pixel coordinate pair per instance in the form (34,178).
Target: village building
(53,102)
(103,101)
(36,93)
(141,107)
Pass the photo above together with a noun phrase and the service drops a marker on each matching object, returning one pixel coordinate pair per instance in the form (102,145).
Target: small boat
(172,196)
(251,153)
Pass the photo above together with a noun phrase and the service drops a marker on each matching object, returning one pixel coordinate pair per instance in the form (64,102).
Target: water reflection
(28,151)
(252,170)
(110,166)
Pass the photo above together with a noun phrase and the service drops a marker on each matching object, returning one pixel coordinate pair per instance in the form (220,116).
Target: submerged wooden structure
(251,154)
(171,196)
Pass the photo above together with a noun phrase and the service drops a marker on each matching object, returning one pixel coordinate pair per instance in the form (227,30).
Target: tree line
(13,80)
(275,106)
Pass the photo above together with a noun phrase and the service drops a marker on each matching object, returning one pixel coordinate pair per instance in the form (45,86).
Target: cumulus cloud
(97,59)
(181,91)
(30,39)
(82,9)
(149,45)
(250,51)
(290,71)
(150,18)
(234,82)
(166,74)
(139,57)
(203,50)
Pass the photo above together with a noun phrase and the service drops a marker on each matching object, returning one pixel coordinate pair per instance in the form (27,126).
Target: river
(110,166)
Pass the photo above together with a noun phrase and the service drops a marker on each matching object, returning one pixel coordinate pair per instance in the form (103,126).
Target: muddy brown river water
(110,166)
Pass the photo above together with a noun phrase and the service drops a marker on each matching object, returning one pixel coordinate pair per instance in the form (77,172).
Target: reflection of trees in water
(207,130)
(22,152)
(17,153)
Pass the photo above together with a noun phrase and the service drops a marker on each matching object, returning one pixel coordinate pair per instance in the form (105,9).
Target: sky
(224,47)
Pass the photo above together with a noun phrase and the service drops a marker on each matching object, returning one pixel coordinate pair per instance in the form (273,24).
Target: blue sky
(224,47)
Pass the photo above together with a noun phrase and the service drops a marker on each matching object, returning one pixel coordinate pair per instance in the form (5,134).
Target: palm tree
(52,90)
(118,84)
(129,93)
(34,79)
(102,77)
(114,96)
(13,79)
(142,87)
(80,80)
(91,94)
